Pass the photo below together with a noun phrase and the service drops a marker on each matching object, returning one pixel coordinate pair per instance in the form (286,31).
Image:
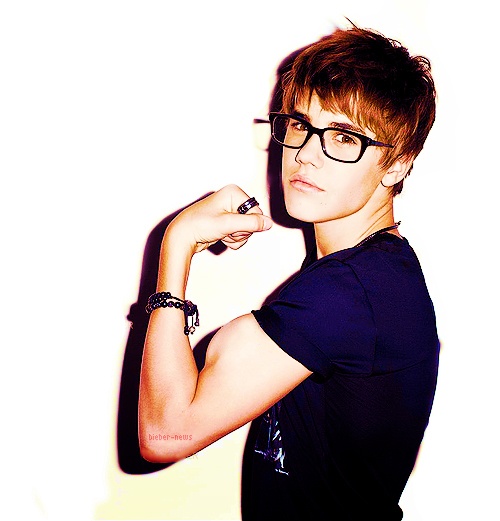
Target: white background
(98,103)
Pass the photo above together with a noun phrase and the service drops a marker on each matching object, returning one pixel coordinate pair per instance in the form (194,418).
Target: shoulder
(323,319)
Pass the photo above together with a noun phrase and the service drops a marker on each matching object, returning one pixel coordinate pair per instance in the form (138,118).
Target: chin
(301,214)
(314,210)
(302,208)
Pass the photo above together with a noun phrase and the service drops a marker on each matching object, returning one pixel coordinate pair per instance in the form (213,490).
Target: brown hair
(372,80)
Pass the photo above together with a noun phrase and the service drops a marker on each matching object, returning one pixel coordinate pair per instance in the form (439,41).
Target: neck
(346,232)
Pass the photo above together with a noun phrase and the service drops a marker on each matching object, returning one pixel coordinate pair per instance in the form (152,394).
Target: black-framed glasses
(339,144)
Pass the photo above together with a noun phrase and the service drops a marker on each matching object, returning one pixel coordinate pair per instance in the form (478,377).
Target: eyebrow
(333,124)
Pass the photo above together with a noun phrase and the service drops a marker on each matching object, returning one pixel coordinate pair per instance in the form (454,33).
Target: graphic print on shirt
(269,442)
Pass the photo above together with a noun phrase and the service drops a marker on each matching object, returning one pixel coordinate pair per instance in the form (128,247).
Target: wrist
(175,262)
(176,242)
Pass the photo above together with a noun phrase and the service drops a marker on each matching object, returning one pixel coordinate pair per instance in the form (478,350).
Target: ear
(396,172)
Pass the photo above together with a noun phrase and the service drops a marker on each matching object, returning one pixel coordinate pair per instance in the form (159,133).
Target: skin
(245,371)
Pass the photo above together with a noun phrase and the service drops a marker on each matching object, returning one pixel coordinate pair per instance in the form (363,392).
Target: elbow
(161,444)
(153,455)
(155,445)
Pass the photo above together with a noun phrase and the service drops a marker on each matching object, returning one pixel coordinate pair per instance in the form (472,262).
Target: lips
(303,184)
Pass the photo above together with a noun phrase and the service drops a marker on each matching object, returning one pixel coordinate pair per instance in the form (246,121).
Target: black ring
(249,203)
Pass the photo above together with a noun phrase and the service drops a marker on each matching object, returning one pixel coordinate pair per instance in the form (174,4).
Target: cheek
(349,189)
(352,184)
(360,179)
(288,163)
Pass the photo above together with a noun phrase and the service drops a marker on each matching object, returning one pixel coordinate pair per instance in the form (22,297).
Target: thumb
(250,222)
(259,221)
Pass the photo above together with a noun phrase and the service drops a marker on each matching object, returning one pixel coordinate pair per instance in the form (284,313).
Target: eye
(297,126)
(345,139)
(341,139)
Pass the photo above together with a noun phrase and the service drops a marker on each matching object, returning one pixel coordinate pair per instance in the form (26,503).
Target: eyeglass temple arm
(379,144)
(258,120)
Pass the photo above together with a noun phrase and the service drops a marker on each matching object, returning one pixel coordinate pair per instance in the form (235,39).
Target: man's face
(319,189)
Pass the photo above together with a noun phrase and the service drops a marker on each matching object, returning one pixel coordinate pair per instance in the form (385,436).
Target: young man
(343,364)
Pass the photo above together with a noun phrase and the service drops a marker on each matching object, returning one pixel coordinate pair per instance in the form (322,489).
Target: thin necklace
(383,230)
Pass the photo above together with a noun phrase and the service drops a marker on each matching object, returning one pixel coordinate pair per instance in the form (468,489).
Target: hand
(216,218)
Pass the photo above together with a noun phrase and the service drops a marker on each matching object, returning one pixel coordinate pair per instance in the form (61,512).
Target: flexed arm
(245,372)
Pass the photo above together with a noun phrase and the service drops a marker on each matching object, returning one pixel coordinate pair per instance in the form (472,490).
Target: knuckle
(259,221)
(231,188)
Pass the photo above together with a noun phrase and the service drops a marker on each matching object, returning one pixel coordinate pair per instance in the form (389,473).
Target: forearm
(169,374)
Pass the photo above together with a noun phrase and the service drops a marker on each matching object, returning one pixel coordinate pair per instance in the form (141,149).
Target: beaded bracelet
(165,299)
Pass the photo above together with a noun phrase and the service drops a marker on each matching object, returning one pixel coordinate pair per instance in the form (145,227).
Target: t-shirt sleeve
(323,320)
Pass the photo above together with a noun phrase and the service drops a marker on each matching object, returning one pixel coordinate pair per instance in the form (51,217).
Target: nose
(311,152)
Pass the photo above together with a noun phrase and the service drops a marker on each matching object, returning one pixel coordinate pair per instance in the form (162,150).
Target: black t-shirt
(342,444)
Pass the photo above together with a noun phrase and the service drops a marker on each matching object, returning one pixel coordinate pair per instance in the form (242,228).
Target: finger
(250,222)
(236,245)
(251,205)
(254,209)
(238,237)
(232,197)
(241,238)
(260,222)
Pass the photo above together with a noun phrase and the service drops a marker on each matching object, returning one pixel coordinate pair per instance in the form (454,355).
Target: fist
(215,218)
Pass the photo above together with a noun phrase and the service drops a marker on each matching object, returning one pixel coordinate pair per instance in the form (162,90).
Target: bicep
(245,373)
